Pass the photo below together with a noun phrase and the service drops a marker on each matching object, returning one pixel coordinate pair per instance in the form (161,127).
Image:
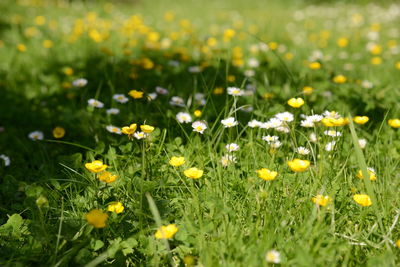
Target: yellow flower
(296,102)
(96,166)
(298,165)
(197,113)
(166,232)
(307,90)
(273,45)
(339,79)
(266,174)
(342,42)
(193,173)
(47,43)
(21,47)
(107,177)
(398,243)
(321,200)
(361,119)
(177,161)
(116,207)
(376,60)
(97,218)
(314,65)
(363,200)
(58,132)
(331,122)
(147,128)
(68,71)
(371,174)
(129,130)
(218,91)
(136,94)
(395,123)
(228,34)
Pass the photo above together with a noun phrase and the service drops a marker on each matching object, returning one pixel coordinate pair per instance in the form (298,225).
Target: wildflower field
(199,133)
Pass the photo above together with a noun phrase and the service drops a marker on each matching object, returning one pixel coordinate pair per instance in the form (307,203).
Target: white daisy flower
(274,123)
(113,129)
(177,101)
(6,160)
(80,82)
(273,256)
(229,122)
(314,118)
(228,159)
(194,69)
(283,129)
(120,98)
(302,150)
(253,63)
(36,135)
(270,138)
(285,116)
(161,91)
(367,84)
(183,117)
(199,126)
(362,143)
(152,96)
(140,135)
(332,133)
(307,123)
(313,137)
(232,147)
(95,103)
(275,144)
(330,146)
(112,111)
(254,123)
(331,114)
(234,91)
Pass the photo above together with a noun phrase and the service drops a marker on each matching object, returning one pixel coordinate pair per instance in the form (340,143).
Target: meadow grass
(80,79)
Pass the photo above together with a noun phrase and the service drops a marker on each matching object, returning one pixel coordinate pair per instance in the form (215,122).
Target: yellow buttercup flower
(266,174)
(193,173)
(68,71)
(331,122)
(363,200)
(342,42)
(136,94)
(166,232)
(339,79)
(361,119)
(47,43)
(298,165)
(116,207)
(97,218)
(218,91)
(371,174)
(307,90)
(147,128)
(129,130)
(107,177)
(398,243)
(177,161)
(296,102)
(197,113)
(21,47)
(321,200)
(314,65)
(96,166)
(394,123)
(58,132)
